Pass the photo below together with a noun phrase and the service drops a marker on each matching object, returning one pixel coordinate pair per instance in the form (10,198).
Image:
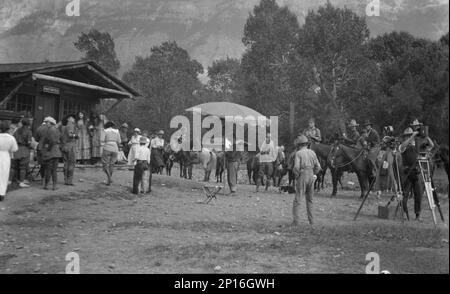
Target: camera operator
(422,141)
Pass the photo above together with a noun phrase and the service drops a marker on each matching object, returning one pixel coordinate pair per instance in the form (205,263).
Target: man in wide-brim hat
(371,141)
(416,124)
(306,165)
(353,135)
(353,124)
(371,137)
(411,172)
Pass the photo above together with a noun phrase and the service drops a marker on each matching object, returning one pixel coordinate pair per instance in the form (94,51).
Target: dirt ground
(171,231)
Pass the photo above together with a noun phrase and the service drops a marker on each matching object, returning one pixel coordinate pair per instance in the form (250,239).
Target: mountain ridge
(32,30)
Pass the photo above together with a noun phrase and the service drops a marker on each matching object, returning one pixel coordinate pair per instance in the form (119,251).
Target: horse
(252,167)
(279,169)
(323,152)
(169,159)
(343,157)
(319,183)
(220,166)
(187,159)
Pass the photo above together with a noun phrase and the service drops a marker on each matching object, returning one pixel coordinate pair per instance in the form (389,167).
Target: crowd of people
(72,140)
(76,139)
(378,151)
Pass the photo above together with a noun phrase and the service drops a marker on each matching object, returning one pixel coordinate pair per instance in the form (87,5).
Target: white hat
(137,130)
(50,119)
(416,123)
(408,132)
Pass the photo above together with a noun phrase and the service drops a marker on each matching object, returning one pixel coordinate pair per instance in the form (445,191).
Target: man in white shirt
(267,157)
(141,167)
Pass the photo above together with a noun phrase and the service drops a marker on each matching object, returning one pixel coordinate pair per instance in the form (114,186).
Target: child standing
(141,167)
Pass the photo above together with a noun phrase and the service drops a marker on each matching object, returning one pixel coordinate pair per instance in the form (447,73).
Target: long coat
(51,141)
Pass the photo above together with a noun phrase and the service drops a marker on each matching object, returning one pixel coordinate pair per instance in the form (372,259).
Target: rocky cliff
(37,30)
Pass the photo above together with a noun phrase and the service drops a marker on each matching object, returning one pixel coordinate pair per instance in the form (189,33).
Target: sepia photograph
(220,143)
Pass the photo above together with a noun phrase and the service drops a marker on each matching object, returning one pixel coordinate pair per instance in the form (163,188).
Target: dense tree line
(329,68)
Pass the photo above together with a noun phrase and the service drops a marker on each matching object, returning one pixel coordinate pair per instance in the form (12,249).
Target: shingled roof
(14,69)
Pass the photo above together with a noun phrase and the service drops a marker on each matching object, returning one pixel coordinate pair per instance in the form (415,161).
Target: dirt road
(170,231)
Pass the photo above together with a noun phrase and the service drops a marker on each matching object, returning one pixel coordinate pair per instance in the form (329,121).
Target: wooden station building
(38,90)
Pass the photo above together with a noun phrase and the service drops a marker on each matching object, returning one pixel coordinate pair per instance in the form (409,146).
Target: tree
(333,41)
(269,36)
(413,81)
(224,79)
(168,81)
(100,48)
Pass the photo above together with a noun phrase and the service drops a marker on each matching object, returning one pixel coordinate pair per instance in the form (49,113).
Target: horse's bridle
(332,157)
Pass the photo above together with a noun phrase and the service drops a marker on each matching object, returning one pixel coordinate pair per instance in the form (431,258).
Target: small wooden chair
(211,191)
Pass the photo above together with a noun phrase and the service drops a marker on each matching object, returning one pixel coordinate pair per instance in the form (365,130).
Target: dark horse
(345,157)
(323,152)
(220,166)
(252,167)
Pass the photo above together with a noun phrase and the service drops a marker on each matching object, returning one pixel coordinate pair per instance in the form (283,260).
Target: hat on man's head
(353,123)
(137,130)
(367,123)
(125,125)
(161,132)
(301,140)
(408,132)
(143,140)
(50,119)
(416,123)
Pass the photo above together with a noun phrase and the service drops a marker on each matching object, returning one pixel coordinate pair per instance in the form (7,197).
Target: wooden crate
(386,212)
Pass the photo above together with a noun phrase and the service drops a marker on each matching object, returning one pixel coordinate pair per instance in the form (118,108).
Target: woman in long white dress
(8,146)
(134,144)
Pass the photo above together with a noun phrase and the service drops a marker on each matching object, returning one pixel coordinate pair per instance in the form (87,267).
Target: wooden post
(291,120)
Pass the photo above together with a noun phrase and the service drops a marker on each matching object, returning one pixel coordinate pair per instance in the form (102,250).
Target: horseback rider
(371,142)
(353,137)
(312,133)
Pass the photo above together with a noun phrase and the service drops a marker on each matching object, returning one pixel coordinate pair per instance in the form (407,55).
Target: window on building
(21,103)
(70,107)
